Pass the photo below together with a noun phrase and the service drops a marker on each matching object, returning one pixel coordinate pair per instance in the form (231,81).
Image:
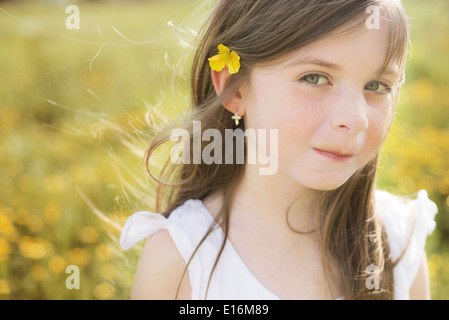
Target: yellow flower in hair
(225,57)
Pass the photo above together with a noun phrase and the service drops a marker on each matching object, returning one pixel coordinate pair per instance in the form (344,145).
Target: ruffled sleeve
(143,224)
(407,224)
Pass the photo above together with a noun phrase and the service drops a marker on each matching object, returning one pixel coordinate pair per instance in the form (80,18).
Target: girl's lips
(333,155)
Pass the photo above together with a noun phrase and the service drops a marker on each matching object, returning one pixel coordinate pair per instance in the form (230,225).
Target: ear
(233,103)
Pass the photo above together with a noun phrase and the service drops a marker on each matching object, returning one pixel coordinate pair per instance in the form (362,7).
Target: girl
(325,76)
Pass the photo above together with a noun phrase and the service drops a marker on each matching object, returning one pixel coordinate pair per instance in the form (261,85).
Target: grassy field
(74,105)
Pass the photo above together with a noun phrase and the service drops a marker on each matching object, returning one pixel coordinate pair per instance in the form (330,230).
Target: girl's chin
(324,182)
(324,187)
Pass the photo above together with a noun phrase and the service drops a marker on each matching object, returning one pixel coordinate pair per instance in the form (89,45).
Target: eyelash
(388,89)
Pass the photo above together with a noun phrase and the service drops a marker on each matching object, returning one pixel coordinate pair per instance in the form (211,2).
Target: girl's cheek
(380,117)
(377,133)
(302,104)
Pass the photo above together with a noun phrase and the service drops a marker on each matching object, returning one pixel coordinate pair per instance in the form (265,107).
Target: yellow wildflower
(225,57)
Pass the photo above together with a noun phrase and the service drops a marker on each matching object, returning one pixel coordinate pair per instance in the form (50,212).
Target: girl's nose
(351,115)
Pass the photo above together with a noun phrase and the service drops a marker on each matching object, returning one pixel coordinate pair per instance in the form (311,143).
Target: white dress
(232,280)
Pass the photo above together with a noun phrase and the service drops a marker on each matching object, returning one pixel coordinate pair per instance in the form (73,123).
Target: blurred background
(75,106)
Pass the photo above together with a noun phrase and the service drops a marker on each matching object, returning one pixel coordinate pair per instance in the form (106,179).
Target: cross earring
(236,118)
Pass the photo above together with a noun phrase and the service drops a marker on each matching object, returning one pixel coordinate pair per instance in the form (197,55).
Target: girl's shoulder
(187,224)
(407,223)
(402,216)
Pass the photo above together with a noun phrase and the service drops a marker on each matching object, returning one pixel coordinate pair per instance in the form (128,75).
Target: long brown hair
(262,31)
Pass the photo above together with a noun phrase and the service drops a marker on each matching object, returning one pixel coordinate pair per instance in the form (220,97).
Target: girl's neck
(261,203)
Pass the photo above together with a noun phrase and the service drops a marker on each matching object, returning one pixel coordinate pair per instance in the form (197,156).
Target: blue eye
(378,87)
(315,79)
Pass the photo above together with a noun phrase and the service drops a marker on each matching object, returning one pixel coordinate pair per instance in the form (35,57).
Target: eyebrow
(326,64)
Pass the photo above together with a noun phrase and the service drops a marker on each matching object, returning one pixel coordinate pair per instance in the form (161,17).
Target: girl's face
(330,105)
